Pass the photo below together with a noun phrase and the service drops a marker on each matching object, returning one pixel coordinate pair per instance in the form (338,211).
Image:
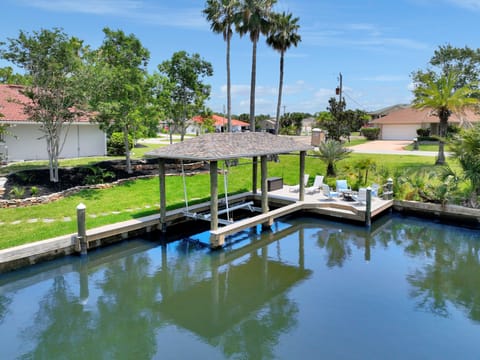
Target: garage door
(399,132)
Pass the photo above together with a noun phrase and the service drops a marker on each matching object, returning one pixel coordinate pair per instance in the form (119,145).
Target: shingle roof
(12,105)
(221,121)
(412,116)
(223,146)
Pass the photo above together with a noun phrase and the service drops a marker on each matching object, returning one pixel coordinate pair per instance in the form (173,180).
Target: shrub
(371,133)
(34,191)
(423,132)
(98,176)
(17,192)
(115,145)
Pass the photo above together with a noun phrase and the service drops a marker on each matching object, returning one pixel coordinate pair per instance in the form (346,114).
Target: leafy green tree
(330,152)
(464,61)
(222,15)
(7,76)
(254,19)
(119,68)
(188,93)
(336,124)
(466,149)
(51,61)
(443,97)
(283,34)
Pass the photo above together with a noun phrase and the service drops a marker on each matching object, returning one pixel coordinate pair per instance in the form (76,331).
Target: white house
(25,141)
(402,122)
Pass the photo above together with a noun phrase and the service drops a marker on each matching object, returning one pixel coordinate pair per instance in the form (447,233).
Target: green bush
(423,132)
(115,145)
(371,133)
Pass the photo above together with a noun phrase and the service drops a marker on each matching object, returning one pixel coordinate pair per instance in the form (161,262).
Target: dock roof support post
(368,208)
(302,173)
(163,197)
(254,174)
(265,209)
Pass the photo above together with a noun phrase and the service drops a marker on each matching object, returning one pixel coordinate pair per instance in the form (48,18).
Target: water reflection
(238,301)
(450,268)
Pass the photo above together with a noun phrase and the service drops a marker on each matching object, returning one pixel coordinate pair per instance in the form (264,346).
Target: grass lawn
(427,147)
(140,198)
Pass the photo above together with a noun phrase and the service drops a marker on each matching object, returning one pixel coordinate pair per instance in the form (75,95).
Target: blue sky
(375,44)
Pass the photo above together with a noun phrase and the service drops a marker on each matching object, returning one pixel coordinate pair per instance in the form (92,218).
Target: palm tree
(283,35)
(443,98)
(255,20)
(222,14)
(330,152)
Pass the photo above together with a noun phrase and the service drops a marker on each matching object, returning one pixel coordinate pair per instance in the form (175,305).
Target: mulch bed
(39,179)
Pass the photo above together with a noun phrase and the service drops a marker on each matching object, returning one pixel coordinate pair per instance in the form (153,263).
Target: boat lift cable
(185,195)
(225,187)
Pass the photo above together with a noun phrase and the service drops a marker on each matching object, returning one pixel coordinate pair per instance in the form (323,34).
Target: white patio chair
(296,188)
(317,185)
(328,193)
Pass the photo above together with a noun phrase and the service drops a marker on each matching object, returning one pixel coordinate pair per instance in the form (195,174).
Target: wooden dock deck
(287,203)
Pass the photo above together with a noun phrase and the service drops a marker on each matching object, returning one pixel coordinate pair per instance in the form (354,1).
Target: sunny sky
(375,44)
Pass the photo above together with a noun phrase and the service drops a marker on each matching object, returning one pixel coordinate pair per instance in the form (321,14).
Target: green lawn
(140,198)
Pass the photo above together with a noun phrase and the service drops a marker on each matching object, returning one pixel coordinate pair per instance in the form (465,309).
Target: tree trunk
(442,129)
(128,162)
(330,170)
(229,88)
(280,87)
(252,85)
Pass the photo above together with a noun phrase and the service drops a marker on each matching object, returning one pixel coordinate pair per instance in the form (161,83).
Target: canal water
(308,289)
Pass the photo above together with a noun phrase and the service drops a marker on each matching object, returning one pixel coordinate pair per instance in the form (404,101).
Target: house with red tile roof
(25,141)
(402,122)
(220,123)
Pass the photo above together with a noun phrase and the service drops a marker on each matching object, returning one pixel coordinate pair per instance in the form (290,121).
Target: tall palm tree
(283,34)
(254,20)
(222,14)
(441,96)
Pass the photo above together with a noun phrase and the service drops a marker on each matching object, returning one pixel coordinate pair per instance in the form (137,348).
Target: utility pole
(339,89)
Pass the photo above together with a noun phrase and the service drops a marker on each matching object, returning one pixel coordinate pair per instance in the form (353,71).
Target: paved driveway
(393,147)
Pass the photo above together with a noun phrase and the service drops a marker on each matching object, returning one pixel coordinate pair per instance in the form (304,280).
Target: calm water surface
(310,289)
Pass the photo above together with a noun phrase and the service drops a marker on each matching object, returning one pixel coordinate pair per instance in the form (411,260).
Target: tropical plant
(254,19)
(98,175)
(466,149)
(34,191)
(222,15)
(443,98)
(330,152)
(17,192)
(283,34)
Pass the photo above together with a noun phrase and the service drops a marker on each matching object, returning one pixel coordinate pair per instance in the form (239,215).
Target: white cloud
(137,10)
(467,4)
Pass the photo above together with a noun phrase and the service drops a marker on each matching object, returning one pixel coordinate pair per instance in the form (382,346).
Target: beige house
(402,122)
